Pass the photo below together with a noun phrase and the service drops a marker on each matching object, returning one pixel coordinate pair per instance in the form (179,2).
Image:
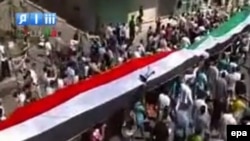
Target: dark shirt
(141,12)
(131,26)
(160,131)
(132,29)
(240,87)
(76,37)
(158,26)
(221,89)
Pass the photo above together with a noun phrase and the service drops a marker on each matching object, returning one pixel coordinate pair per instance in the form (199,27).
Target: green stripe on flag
(196,44)
(224,28)
(232,23)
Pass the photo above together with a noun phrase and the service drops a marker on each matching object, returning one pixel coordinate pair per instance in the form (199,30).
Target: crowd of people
(186,110)
(68,63)
(199,104)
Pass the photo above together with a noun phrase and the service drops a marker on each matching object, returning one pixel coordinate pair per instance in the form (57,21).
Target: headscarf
(139,112)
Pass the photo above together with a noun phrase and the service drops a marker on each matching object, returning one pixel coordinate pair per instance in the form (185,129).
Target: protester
(140,113)
(5,69)
(226,119)
(240,86)
(129,127)
(160,132)
(20,97)
(99,133)
(164,103)
(2,111)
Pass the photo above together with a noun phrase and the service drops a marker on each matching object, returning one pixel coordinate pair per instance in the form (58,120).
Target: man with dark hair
(2,111)
(240,86)
(5,68)
(232,78)
(160,132)
(141,13)
(219,99)
(182,125)
(202,121)
(140,18)
(132,29)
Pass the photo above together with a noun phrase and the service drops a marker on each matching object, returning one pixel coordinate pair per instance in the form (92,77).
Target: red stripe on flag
(60,96)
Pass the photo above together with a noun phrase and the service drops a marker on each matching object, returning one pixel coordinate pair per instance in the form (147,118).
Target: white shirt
(97,135)
(191,77)
(86,71)
(70,75)
(21,98)
(2,53)
(164,100)
(202,28)
(123,31)
(183,19)
(198,38)
(234,65)
(109,32)
(198,103)
(227,119)
(137,54)
(237,75)
(3,113)
(186,42)
(141,48)
(102,50)
(60,83)
(34,76)
(232,78)
(120,60)
(70,72)
(76,79)
(163,32)
(49,90)
(185,97)
(163,42)
(48,48)
(186,93)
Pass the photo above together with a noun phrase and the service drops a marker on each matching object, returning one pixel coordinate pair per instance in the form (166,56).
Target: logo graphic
(47,31)
(237,132)
(49,19)
(22,19)
(35,19)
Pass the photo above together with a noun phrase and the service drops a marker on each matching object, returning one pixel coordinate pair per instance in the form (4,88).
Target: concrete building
(88,14)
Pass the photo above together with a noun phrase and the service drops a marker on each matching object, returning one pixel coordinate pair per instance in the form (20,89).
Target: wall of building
(76,12)
(87,14)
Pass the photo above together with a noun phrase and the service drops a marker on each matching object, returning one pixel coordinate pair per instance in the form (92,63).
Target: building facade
(89,14)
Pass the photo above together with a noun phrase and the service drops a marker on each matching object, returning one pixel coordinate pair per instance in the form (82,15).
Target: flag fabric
(37,119)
